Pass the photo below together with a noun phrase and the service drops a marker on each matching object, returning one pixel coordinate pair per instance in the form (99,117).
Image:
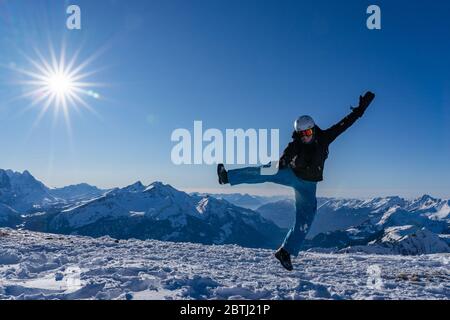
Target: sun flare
(58,83)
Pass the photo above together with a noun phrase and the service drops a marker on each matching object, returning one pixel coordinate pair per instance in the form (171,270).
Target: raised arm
(335,131)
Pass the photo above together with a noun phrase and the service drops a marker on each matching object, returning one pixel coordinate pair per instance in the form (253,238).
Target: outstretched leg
(253,175)
(305,209)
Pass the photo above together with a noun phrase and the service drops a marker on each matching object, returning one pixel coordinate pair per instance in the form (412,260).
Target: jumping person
(300,167)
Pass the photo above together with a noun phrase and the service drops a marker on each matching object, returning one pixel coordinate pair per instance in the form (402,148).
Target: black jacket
(308,160)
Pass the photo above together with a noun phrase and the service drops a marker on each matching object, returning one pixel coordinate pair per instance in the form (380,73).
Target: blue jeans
(305,200)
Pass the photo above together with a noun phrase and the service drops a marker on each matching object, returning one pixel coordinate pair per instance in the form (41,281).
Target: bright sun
(57,83)
(60,84)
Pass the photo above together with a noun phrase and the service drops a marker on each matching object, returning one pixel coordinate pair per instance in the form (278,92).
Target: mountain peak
(157,184)
(27,173)
(80,185)
(427,197)
(22,191)
(160,186)
(135,187)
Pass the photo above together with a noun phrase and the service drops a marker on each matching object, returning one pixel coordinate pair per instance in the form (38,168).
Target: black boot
(223,174)
(285,258)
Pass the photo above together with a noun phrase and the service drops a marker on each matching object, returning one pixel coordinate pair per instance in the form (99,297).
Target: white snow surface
(46,266)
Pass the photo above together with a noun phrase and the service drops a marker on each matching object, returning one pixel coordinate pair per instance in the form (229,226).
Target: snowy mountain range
(79,192)
(339,214)
(404,240)
(243,200)
(24,193)
(156,211)
(161,212)
(342,223)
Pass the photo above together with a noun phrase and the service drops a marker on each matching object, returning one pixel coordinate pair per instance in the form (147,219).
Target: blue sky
(236,64)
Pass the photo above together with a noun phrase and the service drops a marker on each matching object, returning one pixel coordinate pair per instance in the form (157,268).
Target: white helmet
(304,123)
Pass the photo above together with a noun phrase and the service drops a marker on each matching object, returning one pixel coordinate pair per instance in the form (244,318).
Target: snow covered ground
(47,266)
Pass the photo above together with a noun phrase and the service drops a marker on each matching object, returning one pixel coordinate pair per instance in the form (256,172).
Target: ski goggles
(306,133)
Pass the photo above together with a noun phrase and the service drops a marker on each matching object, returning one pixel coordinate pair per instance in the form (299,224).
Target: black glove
(364,102)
